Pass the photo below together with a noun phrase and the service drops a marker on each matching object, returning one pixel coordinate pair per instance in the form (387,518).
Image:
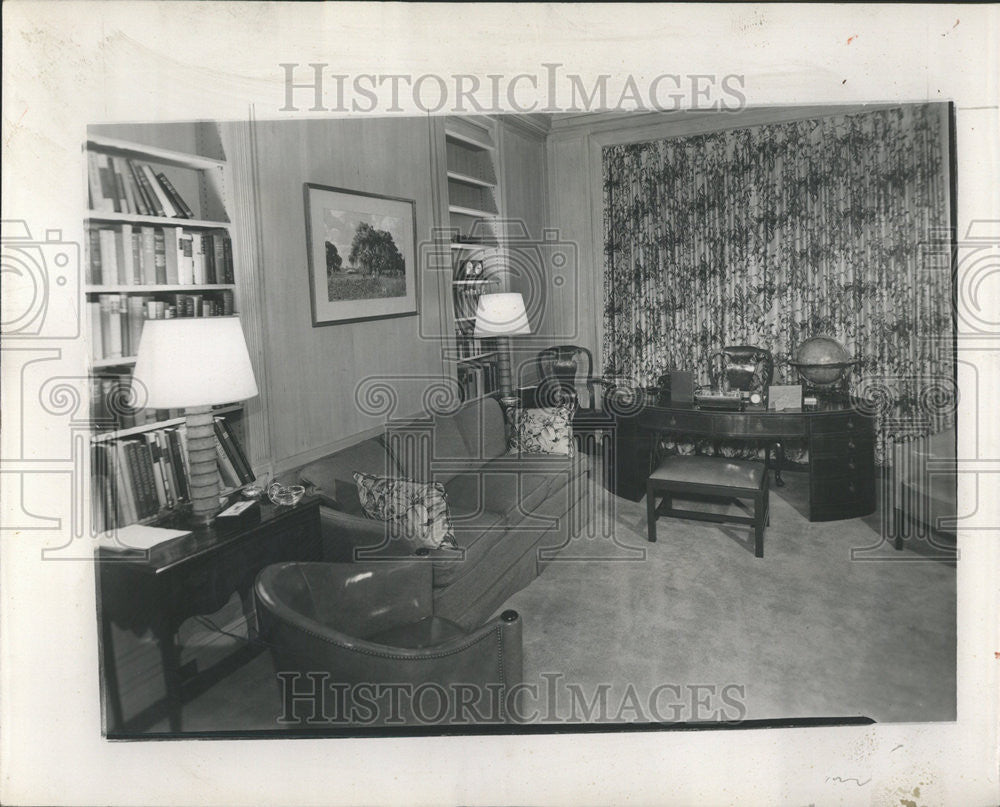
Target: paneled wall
(316,374)
(522,166)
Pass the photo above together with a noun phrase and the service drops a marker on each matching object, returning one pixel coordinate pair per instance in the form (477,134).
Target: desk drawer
(849,422)
(843,444)
(830,466)
(678,421)
(751,425)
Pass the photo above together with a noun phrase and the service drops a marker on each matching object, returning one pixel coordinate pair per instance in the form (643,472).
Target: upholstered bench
(709,476)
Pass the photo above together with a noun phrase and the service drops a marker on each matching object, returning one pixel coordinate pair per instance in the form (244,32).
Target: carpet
(694,627)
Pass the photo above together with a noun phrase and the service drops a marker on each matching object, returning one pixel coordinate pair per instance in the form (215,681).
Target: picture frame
(361,255)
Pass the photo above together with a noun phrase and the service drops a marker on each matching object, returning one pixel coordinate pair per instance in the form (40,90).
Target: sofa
(506,508)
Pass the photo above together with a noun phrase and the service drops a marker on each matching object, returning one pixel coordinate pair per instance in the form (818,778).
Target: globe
(821,360)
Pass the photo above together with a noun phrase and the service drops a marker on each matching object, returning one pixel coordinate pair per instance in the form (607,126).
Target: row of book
(124,185)
(112,404)
(138,478)
(116,320)
(467,300)
(130,255)
(476,379)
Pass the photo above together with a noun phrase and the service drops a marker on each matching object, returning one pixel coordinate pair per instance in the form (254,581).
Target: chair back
(565,370)
(743,368)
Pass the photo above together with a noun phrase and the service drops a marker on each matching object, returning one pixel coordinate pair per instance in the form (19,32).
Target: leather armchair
(370,626)
(742,367)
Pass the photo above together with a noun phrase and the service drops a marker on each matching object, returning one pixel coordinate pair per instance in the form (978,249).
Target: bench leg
(651,513)
(761,517)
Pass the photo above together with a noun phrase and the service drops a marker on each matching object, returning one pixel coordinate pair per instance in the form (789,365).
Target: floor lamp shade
(502,315)
(192,364)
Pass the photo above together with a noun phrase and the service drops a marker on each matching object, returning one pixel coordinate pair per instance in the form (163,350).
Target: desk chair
(710,476)
(565,377)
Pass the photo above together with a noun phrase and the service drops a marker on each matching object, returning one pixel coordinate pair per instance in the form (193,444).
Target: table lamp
(501,316)
(192,364)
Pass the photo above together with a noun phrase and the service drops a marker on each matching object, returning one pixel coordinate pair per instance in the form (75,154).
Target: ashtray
(285,495)
(252,492)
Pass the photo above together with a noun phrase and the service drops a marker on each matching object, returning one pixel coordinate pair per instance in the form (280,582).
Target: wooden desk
(841,448)
(191,576)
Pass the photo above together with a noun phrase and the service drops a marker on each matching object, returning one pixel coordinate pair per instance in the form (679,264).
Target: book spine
(108,189)
(123,277)
(180,471)
(136,247)
(94,274)
(198,260)
(154,466)
(162,201)
(166,472)
(160,256)
(126,264)
(141,196)
(148,235)
(172,238)
(119,180)
(228,445)
(109,256)
(230,479)
(96,337)
(98,201)
(185,260)
(133,451)
(103,475)
(126,490)
(182,209)
(227,249)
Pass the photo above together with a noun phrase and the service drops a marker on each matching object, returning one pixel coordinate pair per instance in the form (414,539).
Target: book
(109,190)
(109,255)
(124,188)
(185,260)
(96,338)
(236,456)
(98,201)
(126,488)
(139,537)
(179,463)
(94,273)
(162,201)
(125,255)
(172,244)
(230,479)
(183,210)
(146,208)
(148,237)
(160,256)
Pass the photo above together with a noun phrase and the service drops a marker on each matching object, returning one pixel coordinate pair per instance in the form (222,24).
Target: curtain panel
(768,235)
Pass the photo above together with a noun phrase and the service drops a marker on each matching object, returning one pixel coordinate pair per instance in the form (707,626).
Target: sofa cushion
(334,475)
(477,533)
(481,423)
(544,431)
(414,445)
(418,510)
(498,483)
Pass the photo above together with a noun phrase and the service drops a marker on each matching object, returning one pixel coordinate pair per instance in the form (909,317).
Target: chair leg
(760,517)
(651,513)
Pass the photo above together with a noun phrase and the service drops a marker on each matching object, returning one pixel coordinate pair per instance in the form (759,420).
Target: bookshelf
(475,222)
(158,245)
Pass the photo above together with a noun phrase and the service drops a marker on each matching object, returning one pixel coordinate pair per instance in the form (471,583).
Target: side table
(192,576)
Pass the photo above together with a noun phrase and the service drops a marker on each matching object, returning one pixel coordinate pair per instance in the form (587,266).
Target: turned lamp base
(204,485)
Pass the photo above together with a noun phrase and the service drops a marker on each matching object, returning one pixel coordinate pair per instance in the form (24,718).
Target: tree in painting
(374,252)
(333,260)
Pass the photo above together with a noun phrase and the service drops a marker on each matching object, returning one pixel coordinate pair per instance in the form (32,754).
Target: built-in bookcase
(158,245)
(475,220)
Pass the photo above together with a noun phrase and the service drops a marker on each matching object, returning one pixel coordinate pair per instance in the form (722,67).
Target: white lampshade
(501,315)
(193,362)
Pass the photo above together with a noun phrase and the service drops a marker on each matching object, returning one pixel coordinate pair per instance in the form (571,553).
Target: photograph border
(410,273)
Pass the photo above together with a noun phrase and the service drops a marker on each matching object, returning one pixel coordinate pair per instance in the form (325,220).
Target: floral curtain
(772,234)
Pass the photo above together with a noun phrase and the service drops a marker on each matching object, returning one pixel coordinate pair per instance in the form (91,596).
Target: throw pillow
(543,431)
(417,510)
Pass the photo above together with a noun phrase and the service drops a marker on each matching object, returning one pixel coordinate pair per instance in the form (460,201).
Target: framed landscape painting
(362,250)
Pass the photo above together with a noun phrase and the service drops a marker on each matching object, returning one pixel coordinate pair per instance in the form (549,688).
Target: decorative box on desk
(193,575)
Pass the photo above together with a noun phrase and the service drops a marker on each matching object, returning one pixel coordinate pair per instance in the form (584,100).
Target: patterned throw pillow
(543,431)
(416,510)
